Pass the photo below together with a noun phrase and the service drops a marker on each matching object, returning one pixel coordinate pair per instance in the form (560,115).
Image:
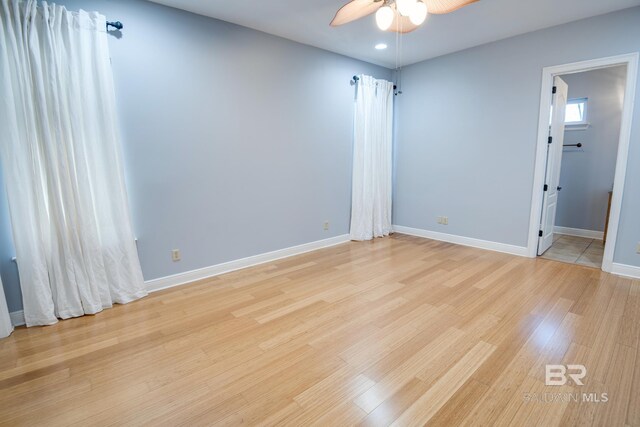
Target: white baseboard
(626,270)
(215,270)
(579,232)
(465,241)
(17,318)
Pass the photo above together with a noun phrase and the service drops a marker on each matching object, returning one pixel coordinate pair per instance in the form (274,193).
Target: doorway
(587,164)
(561,228)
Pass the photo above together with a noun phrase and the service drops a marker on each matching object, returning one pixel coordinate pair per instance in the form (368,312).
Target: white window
(576,112)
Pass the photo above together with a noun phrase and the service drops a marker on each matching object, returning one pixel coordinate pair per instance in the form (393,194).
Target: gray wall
(588,172)
(8,269)
(236,142)
(468,126)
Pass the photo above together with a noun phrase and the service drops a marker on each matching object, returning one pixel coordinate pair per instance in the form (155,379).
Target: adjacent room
(366,212)
(588,165)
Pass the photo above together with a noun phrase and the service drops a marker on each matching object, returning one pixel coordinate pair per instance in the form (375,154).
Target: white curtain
(60,155)
(5,321)
(372,159)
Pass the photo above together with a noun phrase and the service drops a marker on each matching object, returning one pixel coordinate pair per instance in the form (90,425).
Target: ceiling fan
(401,16)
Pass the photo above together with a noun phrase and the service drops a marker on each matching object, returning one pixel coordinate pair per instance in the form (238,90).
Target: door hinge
(554,90)
(550,139)
(540,233)
(546,187)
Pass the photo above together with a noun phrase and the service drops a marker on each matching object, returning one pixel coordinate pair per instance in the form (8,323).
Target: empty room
(329,213)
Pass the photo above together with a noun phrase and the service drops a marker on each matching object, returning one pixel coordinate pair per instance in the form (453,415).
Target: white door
(554,160)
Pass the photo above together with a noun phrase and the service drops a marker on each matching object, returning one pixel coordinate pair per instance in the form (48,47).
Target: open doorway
(585,122)
(593,116)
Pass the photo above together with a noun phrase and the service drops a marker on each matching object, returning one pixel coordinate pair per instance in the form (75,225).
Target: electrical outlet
(638,248)
(325,225)
(445,220)
(439,219)
(175,255)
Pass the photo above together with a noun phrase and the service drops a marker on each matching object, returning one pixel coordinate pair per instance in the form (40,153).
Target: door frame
(548,73)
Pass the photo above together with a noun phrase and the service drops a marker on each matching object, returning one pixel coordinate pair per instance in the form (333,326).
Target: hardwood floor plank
(389,410)
(404,373)
(437,396)
(458,407)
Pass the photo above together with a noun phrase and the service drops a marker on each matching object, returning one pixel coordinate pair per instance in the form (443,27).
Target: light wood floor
(402,331)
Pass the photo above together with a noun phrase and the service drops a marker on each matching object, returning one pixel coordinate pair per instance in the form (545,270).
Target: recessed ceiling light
(381,46)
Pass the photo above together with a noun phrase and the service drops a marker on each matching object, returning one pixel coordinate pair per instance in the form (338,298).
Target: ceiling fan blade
(440,7)
(401,24)
(354,10)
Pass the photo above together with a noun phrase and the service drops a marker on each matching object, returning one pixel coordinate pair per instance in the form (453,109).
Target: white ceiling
(307,21)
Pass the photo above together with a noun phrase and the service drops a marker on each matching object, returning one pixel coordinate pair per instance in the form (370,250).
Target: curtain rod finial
(117,25)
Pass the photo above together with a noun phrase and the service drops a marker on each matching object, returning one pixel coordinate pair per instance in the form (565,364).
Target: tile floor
(576,250)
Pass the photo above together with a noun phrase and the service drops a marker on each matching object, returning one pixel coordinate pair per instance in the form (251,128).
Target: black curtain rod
(115,24)
(579,145)
(356,78)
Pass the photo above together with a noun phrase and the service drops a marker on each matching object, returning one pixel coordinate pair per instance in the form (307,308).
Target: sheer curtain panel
(372,159)
(59,148)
